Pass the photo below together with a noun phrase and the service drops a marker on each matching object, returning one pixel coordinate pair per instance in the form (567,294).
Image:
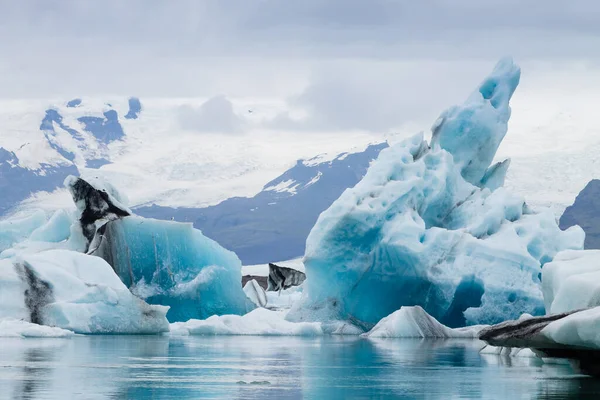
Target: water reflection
(284,368)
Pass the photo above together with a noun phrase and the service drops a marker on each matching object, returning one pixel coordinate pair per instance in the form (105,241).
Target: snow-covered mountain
(150,149)
(66,142)
(163,152)
(17,182)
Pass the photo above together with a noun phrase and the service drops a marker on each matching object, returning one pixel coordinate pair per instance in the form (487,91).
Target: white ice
(257,322)
(414,322)
(74,291)
(572,281)
(11,327)
(581,329)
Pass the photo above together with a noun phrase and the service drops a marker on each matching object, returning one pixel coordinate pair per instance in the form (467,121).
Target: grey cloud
(240,47)
(216,115)
(306,26)
(382,96)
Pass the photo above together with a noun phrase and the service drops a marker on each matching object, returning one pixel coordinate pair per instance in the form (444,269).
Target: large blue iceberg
(173,264)
(100,269)
(162,262)
(432,226)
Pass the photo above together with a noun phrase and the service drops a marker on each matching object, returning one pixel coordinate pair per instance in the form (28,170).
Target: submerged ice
(431,225)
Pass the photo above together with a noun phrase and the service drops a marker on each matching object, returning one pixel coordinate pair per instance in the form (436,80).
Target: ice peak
(500,85)
(473,131)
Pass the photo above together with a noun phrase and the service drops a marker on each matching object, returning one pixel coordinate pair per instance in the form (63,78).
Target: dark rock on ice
(526,333)
(281,278)
(95,203)
(521,333)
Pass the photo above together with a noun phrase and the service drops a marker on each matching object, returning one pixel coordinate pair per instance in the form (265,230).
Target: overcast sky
(334,58)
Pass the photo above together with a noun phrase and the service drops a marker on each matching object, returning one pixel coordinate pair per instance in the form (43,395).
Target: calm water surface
(154,367)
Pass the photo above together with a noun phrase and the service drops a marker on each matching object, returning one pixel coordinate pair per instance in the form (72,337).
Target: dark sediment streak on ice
(526,333)
(281,278)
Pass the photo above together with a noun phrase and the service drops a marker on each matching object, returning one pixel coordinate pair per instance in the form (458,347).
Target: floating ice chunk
(15,230)
(578,330)
(175,265)
(414,322)
(421,228)
(258,322)
(77,292)
(572,281)
(11,327)
(255,293)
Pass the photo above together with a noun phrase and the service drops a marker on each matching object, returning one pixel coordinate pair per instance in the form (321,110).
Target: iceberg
(572,335)
(414,322)
(571,287)
(10,327)
(572,297)
(173,264)
(76,292)
(255,293)
(432,226)
(572,281)
(260,322)
(101,269)
(576,330)
(162,262)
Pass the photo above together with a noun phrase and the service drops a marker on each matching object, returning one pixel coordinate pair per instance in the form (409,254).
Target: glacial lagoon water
(157,367)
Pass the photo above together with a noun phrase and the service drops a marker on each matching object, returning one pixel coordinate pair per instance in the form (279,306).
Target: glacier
(430,225)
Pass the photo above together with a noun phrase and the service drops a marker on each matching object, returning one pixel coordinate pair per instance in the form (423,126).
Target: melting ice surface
(135,367)
(431,225)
